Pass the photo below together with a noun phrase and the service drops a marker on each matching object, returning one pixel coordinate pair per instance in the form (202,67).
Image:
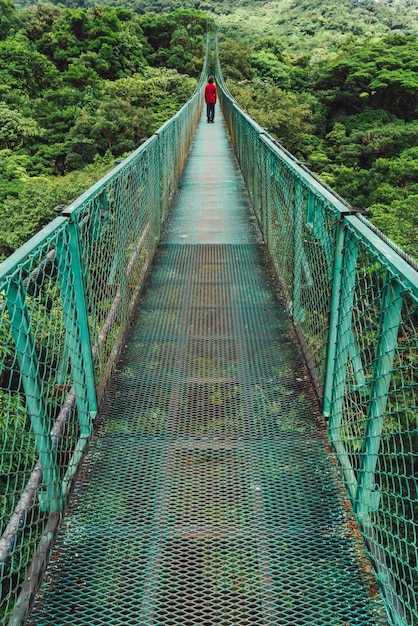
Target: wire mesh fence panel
(118,226)
(175,139)
(66,299)
(375,411)
(353,299)
(42,421)
(279,223)
(316,235)
(299,220)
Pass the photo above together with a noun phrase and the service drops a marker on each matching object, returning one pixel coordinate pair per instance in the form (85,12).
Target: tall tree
(9,18)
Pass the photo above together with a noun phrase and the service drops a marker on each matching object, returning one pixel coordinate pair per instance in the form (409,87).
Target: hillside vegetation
(302,24)
(79,88)
(315,25)
(334,81)
(350,115)
(319,25)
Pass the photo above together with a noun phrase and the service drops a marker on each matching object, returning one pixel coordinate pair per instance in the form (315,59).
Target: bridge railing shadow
(353,299)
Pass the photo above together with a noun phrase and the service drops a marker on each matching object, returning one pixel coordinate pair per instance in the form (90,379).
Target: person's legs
(211,114)
(208,111)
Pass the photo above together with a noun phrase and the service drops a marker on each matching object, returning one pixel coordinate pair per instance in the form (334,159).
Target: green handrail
(353,299)
(66,298)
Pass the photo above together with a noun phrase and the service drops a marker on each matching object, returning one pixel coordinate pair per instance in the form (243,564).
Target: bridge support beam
(368,491)
(334,317)
(298,219)
(71,276)
(341,328)
(50,499)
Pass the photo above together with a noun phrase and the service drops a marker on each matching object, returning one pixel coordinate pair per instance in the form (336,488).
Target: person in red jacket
(210,98)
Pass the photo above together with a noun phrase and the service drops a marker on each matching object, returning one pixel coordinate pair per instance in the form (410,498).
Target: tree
(372,74)
(15,129)
(175,39)
(24,69)
(124,113)
(109,40)
(399,220)
(236,60)
(13,173)
(37,200)
(285,115)
(9,18)
(268,67)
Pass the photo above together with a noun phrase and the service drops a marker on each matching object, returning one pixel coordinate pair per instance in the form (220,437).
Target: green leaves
(176,39)
(351,114)
(16,129)
(380,74)
(23,214)
(400,219)
(268,66)
(105,40)
(9,18)
(75,87)
(24,69)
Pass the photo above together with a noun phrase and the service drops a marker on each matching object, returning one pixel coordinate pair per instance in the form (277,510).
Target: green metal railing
(66,298)
(353,298)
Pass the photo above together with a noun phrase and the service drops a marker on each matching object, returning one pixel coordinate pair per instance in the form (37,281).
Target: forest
(83,84)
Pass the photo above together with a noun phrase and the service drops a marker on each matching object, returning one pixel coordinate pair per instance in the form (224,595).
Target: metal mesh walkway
(209,495)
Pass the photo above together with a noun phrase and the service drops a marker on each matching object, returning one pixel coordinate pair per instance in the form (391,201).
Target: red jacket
(210,93)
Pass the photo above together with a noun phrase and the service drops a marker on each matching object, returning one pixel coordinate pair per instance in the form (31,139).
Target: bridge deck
(209,496)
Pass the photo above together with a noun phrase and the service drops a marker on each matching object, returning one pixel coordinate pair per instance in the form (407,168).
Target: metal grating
(209,495)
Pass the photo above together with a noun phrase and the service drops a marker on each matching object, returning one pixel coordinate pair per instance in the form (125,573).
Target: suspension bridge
(209,397)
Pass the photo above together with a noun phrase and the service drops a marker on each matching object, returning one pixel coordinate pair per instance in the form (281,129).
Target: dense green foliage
(335,82)
(303,24)
(79,87)
(352,116)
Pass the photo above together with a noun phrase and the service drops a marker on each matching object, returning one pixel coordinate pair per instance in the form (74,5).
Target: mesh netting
(300,225)
(209,495)
(42,364)
(353,299)
(375,408)
(66,298)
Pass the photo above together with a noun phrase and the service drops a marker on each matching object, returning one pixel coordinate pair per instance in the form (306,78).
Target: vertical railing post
(367,496)
(160,183)
(340,236)
(159,179)
(51,499)
(73,290)
(257,184)
(158,194)
(123,232)
(298,216)
(343,311)
(271,203)
(266,177)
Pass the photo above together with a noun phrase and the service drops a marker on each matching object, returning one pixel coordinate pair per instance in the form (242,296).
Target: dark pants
(210,111)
